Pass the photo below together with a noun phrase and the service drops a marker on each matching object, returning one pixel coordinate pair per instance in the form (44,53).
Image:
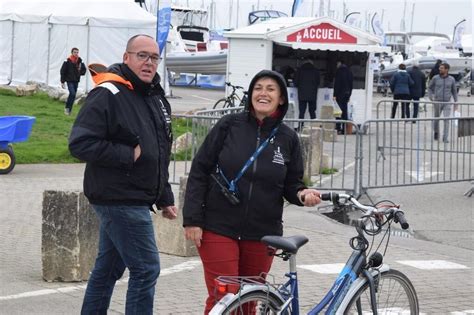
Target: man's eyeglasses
(144,56)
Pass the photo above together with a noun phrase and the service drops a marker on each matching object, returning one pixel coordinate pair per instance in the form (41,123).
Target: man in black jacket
(123,132)
(417,90)
(307,81)
(71,72)
(342,91)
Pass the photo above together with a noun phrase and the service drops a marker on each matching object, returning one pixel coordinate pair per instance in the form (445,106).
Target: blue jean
(72,87)
(126,240)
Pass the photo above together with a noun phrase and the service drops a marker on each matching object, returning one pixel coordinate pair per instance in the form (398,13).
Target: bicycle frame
(335,295)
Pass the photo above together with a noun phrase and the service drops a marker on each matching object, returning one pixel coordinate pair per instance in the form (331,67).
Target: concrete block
(312,149)
(329,135)
(69,236)
(170,233)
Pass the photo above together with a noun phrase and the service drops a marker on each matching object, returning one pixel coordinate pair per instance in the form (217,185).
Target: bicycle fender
(229,298)
(356,285)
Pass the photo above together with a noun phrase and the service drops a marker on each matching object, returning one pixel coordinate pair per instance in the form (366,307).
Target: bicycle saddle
(289,244)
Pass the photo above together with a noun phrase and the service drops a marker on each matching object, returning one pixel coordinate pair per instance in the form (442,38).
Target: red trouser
(223,256)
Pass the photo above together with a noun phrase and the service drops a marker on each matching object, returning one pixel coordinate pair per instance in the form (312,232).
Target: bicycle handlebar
(398,215)
(235,87)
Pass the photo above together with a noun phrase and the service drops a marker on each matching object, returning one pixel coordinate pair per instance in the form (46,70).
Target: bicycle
(364,286)
(232,99)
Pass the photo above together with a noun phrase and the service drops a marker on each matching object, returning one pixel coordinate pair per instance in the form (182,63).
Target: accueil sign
(322,33)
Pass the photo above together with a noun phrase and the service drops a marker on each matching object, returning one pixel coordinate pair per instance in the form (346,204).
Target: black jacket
(343,82)
(276,174)
(307,81)
(70,72)
(418,89)
(112,122)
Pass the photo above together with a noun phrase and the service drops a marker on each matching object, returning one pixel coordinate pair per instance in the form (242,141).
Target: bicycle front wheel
(255,302)
(395,294)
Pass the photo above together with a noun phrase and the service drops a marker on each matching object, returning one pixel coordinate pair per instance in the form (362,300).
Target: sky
(428,16)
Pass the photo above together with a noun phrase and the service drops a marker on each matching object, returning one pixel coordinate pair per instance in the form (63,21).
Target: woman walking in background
(400,85)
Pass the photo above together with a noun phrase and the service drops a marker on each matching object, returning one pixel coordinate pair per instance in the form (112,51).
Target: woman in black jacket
(228,209)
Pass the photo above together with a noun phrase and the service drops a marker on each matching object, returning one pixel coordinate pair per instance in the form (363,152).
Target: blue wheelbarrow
(12,129)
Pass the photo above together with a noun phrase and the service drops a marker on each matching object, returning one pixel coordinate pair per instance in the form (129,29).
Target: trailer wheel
(7,160)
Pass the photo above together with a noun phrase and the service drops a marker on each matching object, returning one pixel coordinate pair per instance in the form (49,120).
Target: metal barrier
(397,152)
(425,108)
(379,153)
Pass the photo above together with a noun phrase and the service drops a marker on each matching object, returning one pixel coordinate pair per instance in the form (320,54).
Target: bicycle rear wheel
(222,103)
(255,302)
(395,294)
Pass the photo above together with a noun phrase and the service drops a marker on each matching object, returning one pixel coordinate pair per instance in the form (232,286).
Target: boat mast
(412,15)
(403,26)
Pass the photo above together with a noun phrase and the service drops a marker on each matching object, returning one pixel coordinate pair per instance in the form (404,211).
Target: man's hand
(63,85)
(193,233)
(169,212)
(136,153)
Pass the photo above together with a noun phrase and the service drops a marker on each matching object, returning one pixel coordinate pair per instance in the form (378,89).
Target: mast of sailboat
(412,16)
(321,7)
(403,24)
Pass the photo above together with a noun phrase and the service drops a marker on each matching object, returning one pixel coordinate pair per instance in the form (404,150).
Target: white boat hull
(204,62)
(457,65)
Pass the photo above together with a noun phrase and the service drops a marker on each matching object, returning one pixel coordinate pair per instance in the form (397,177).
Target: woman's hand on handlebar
(309,197)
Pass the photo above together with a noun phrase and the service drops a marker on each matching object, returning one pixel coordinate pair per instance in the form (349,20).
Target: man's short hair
(74,48)
(402,66)
(445,65)
(132,39)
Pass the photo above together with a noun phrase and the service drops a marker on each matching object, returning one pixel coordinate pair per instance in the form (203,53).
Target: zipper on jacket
(254,169)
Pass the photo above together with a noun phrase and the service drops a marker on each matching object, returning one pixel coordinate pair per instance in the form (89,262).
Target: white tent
(37,36)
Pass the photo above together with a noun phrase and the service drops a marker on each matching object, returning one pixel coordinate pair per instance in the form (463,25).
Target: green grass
(49,137)
(328,171)
(48,142)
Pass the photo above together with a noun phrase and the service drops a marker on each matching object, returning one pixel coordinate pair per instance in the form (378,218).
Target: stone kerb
(70,235)
(314,158)
(170,234)
(26,90)
(329,132)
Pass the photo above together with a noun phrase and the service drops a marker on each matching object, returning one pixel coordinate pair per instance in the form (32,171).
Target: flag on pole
(458,32)
(163,22)
(296,4)
(377,27)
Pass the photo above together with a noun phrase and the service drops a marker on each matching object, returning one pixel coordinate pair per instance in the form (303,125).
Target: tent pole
(88,52)
(11,54)
(49,53)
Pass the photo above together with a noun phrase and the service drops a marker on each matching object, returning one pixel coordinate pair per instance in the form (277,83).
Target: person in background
(343,82)
(400,84)
(71,71)
(227,230)
(417,90)
(307,80)
(123,132)
(435,70)
(441,89)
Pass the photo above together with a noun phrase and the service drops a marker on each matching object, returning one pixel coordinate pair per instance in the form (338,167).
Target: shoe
(67,112)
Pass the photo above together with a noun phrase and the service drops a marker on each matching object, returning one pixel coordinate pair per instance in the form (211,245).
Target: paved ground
(440,265)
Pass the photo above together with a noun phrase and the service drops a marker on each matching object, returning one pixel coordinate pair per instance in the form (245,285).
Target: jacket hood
(281,82)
